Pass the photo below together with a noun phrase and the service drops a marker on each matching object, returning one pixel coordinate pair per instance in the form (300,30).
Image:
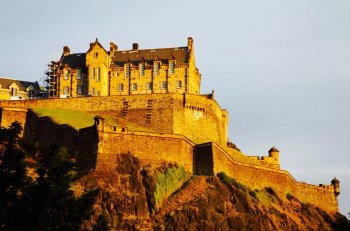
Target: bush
(252,194)
(229,180)
(270,191)
(290,196)
(168,182)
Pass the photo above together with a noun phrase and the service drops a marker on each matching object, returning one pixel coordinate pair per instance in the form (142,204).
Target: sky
(281,68)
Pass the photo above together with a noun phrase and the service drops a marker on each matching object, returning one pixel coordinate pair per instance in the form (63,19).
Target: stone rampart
(149,147)
(258,176)
(199,118)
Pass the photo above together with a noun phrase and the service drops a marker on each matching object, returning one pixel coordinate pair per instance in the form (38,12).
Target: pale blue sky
(281,68)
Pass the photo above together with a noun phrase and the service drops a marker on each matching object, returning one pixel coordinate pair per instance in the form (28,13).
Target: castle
(102,73)
(148,103)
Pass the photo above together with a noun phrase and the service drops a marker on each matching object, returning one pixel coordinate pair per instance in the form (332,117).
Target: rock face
(128,200)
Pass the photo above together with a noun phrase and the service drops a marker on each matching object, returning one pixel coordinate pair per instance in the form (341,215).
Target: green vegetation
(42,202)
(290,196)
(168,182)
(271,191)
(252,194)
(229,180)
(79,119)
(76,119)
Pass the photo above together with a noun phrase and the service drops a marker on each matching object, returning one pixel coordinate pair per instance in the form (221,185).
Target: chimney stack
(135,46)
(66,50)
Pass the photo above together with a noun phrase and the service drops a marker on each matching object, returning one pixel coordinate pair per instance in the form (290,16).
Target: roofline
(17,79)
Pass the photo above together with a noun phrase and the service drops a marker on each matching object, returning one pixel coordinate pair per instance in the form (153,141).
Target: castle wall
(9,115)
(146,146)
(259,177)
(203,118)
(197,117)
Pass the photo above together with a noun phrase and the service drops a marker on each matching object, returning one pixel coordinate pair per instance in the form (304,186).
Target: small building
(13,89)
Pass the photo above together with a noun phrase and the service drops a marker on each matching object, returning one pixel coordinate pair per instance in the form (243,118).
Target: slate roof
(180,54)
(23,85)
(74,60)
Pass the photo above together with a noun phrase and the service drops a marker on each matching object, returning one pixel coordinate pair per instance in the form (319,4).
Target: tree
(46,203)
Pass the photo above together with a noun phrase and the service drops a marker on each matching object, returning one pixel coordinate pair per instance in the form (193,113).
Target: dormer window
(127,69)
(156,68)
(142,69)
(13,91)
(171,67)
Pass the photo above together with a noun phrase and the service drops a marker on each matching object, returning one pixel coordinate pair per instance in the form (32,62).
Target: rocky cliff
(165,197)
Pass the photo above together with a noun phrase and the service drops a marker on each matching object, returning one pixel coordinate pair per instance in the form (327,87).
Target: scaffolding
(52,78)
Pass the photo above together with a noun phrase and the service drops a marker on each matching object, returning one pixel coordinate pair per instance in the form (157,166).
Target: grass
(168,182)
(79,119)
(76,119)
(229,180)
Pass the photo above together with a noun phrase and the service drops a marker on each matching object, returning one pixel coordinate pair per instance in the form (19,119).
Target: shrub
(252,194)
(168,182)
(229,180)
(290,196)
(270,191)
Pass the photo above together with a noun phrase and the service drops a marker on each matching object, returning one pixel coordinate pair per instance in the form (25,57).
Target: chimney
(190,43)
(113,46)
(135,46)
(66,50)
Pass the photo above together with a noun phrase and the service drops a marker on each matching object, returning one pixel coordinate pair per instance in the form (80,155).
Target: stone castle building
(99,72)
(153,96)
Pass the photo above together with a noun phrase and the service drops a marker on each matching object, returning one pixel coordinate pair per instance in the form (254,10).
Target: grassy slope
(78,119)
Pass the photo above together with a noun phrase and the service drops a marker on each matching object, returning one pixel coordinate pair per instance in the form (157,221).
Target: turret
(274,153)
(99,122)
(335,182)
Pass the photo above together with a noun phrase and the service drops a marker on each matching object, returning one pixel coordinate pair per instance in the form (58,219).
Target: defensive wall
(211,159)
(97,147)
(199,118)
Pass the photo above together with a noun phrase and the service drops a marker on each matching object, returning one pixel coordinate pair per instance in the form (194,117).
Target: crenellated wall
(260,176)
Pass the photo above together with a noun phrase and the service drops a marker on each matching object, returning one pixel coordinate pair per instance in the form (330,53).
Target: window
(98,93)
(171,67)
(93,91)
(162,85)
(96,55)
(126,69)
(79,74)
(80,89)
(134,87)
(179,84)
(149,86)
(120,87)
(93,73)
(142,69)
(66,74)
(98,74)
(156,68)
(65,90)
(13,91)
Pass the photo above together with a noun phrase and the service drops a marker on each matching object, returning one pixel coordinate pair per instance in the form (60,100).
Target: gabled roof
(180,54)
(23,85)
(74,60)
